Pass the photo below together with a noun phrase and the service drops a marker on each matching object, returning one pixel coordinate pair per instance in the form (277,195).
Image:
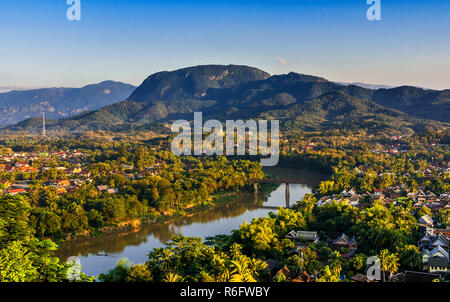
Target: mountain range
(18,105)
(240,92)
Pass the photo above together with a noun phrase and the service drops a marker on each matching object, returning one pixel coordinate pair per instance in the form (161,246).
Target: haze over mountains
(241,92)
(18,105)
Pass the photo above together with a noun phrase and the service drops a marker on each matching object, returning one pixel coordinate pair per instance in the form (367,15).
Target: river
(100,254)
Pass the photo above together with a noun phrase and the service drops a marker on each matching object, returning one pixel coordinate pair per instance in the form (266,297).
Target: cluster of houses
(389,195)
(434,245)
(63,186)
(302,239)
(107,189)
(22,163)
(436,168)
(73,163)
(430,200)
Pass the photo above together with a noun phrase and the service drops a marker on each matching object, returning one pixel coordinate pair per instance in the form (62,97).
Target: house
(21,164)
(359,278)
(324,200)
(16,191)
(343,241)
(20,185)
(284,272)
(6,183)
(436,252)
(426,221)
(61,191)
(421,196)
(447,207)
(425,242)
(77,153)
(438,265)
(102,188)
(354,200)
(85,174)
(428,173)
(112,191)
(303,277)
(349,193)
(76,182)
(32,170)
(440,240)
(431,197)
(128,167)
(418,204)
(377,196)
(444,197)
(305,235)
(63,183)
(411,195)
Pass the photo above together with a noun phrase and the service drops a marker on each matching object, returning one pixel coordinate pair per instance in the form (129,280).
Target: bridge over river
(101,253)
(256,182)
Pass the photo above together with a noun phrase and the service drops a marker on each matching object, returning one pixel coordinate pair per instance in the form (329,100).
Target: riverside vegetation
(72,186)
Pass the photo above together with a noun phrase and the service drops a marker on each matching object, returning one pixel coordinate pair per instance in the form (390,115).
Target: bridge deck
(285,181)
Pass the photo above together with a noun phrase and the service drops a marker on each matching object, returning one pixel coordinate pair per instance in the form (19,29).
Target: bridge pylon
(288,195)
(255,188)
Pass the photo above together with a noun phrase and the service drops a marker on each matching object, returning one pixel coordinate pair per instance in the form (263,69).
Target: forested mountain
(16,106)
(240,92)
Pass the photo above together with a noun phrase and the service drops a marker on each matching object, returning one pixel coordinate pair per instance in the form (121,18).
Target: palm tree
(172,277)
(257,266)
(206,277)
(235,250)
(335,261)
(393,264)
(241,271)
(327,276)
(223,274)
(384,262)
(164,257)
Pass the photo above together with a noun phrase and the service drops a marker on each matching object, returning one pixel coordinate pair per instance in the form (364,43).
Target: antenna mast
(44,132)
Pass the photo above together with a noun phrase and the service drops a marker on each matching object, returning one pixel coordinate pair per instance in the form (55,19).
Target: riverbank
(134,225)
(231,210)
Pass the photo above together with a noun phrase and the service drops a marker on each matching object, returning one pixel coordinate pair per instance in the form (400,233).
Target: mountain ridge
(60,102)
(242,92)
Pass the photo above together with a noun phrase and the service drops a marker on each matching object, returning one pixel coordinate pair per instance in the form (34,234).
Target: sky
(129,40)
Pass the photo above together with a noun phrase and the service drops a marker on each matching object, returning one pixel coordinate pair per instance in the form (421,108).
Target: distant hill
(241,92)
(18,105)
(365,85)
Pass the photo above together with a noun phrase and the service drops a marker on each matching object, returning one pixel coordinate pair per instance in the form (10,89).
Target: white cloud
(282,61)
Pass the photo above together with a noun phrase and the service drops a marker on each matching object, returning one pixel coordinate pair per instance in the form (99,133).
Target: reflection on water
(101,254)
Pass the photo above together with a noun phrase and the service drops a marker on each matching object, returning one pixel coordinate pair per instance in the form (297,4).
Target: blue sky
(129,40)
